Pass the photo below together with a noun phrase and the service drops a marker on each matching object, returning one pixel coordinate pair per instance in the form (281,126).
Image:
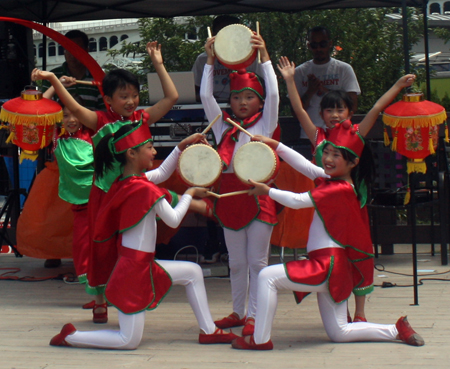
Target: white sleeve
(350,81)
(212,109)
(165,170)
(291,199)
(272,99)
(300,163)
(173,216)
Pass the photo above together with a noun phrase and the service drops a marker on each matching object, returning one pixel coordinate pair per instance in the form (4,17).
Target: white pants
(132,326)
(248,251)
(334,316)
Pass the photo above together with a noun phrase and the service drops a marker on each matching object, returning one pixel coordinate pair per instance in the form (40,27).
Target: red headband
(346,136)
(242,80)
(138,136)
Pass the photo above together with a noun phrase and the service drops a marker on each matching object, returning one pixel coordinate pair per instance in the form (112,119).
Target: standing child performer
(337,106)
(121,89)
(339,235)
(247,221)
(128,215)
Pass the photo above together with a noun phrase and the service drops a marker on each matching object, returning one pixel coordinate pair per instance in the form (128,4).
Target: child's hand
(268,141)
(406,81)
(68,81)
(258,43)
(38,74)
(154,51)
(259,189)
(209,47)
(286,68)
(193,139)
(197,192)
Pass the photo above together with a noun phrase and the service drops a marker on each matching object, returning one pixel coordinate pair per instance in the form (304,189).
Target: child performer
(128,215)
(121,89)
(336,106)
(247,221)
(339,234)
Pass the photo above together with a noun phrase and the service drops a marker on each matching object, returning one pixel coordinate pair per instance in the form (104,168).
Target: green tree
(365,39)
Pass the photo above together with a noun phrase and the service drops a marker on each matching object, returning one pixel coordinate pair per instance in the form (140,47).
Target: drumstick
(227,194)
(209,36)
(257,32)
(81,82)
(211,124)
(238,126)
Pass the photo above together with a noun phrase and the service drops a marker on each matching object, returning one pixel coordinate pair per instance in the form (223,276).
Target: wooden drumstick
(80,82)
(238,126)
(227,194)
(211,124)
(209,36)
(257,32)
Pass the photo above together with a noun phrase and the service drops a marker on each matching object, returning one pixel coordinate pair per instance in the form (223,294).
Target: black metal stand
(412,182)
(11,208)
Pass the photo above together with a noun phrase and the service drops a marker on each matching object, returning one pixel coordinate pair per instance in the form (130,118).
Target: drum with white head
(233,47)
(257,161)
(199,165)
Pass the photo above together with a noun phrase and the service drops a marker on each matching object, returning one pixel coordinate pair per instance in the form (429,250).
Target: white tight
(248,250)
(334,316)
(132,326)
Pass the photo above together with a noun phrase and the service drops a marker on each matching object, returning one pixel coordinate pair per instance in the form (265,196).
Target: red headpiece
(242,80)
(138,136)
(346,136)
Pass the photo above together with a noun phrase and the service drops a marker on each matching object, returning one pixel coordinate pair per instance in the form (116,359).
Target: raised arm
(287,70)
(369,120)
(163,106)
(85,116)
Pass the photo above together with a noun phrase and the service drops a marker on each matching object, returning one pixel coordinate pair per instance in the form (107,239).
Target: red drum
(256,161)
(199,165)
(233,47)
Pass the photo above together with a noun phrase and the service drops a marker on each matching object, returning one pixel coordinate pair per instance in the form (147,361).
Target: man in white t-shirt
(221,80)
(316,77)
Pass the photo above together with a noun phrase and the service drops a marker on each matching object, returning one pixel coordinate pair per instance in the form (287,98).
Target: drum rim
(246,59)
(189,183)
(274,170)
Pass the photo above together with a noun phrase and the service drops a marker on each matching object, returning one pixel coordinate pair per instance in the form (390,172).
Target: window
(92,45)
(103,44)
(123,37)
(60,50)
(51,49)
(435,8)
(113,41)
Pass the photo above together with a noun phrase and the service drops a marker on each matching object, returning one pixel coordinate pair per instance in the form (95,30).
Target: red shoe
(60,339)
(219,336)
(249,328)
(230,321)
(89,305)
(407,334)
(100,318)
(359,318)
(241,344)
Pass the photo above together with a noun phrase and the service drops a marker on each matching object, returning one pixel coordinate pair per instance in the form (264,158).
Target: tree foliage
(365,39)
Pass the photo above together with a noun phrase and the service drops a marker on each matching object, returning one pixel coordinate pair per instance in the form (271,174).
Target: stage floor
(31,313)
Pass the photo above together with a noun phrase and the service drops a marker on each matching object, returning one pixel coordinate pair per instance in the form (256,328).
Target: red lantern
(414,125)
(31,119)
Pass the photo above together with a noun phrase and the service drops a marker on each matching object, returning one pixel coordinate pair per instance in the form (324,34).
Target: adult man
(315,77)
(221,80)
(72,67)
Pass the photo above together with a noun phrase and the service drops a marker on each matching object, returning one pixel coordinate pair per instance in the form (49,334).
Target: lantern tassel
(394,144)
(407,196)
(11,137)
(431,146)
(30,155)
(446,133)
(63,131)
(44,140)
(418,167)
(386,137)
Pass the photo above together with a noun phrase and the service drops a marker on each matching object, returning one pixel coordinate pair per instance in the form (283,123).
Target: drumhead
(233,47)
(255,160)
(199,165)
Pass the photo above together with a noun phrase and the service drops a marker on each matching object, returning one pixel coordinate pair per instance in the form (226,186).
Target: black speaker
(16,59)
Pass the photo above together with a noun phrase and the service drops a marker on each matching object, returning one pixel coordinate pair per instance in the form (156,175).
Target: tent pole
(405,36)
(427,48)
